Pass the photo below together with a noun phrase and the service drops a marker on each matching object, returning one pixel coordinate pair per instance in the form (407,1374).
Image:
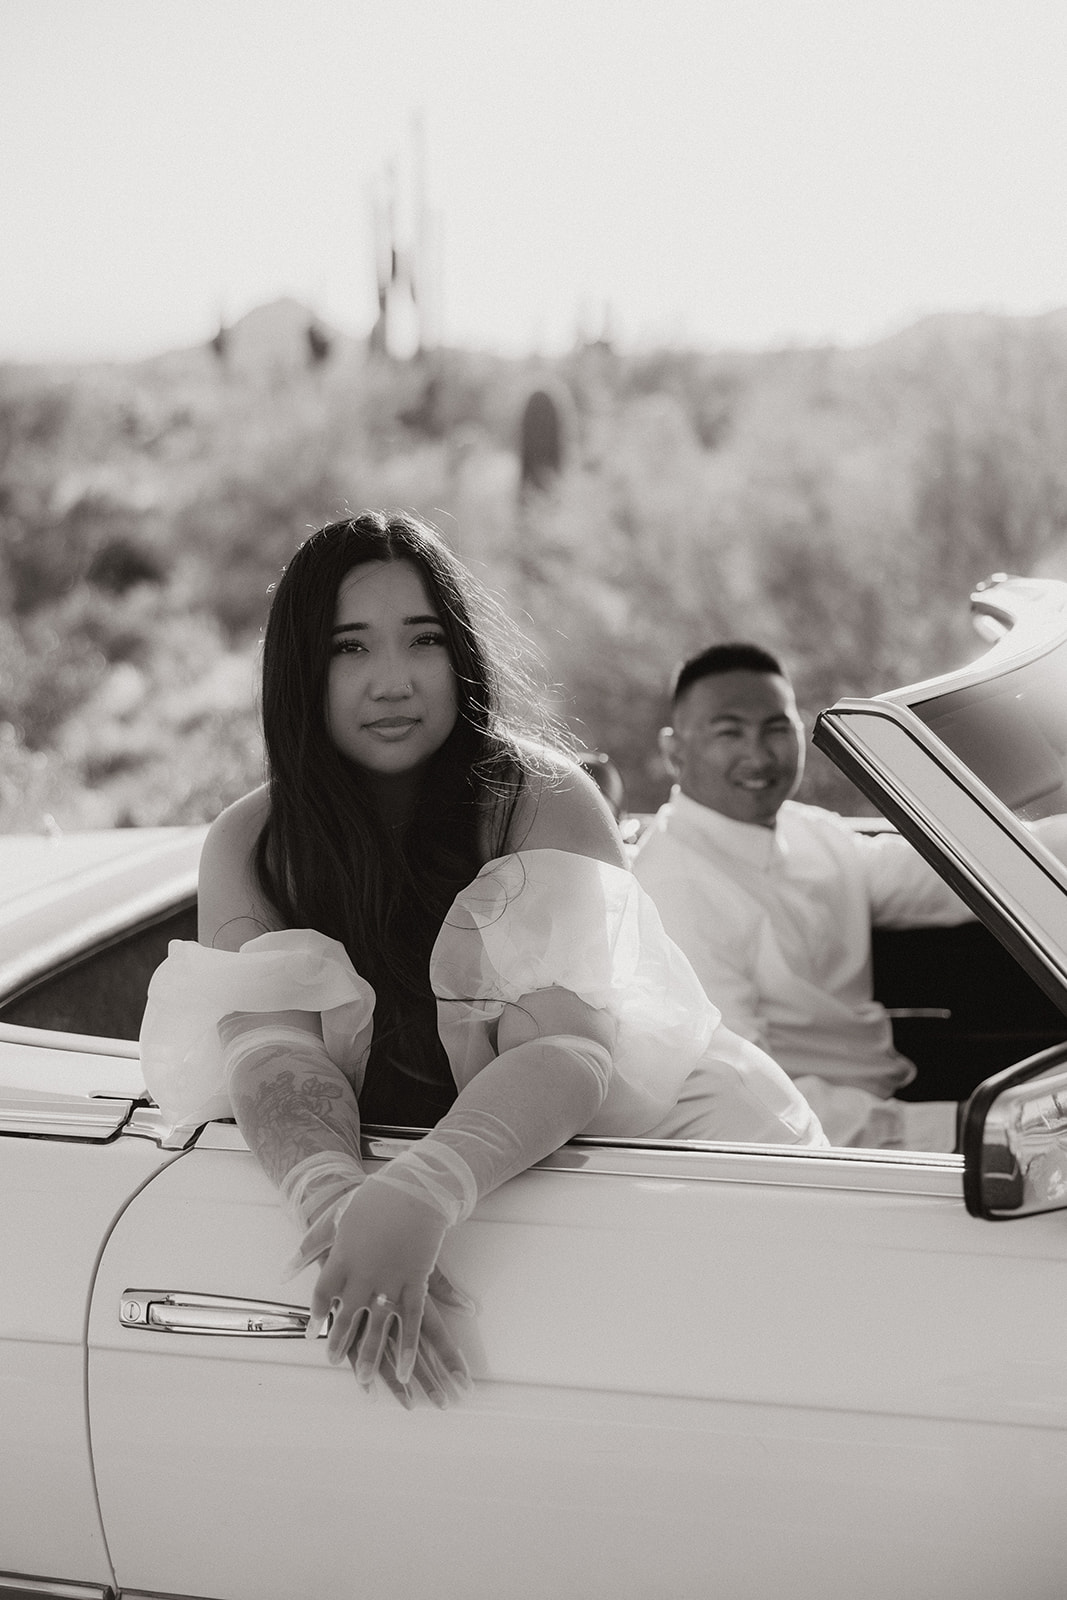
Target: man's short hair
(717,658)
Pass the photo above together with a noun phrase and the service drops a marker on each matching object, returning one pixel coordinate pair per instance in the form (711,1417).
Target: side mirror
(1015,1140)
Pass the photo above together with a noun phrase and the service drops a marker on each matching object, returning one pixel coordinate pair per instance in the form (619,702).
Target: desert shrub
(97,538)
(121,563)
(40,790)
(34,416)
(240,530)
(44,677)
(836,505)
(221,759)
(187,707)
(707,387)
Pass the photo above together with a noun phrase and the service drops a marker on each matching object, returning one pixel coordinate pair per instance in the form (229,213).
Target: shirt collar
(750,841)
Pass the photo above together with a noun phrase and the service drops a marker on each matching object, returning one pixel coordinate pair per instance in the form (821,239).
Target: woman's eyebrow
(407,622)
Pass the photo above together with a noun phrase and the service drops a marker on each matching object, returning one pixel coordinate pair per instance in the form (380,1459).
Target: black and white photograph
(533,800)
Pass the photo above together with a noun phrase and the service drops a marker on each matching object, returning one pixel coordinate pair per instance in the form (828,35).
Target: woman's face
(390,691)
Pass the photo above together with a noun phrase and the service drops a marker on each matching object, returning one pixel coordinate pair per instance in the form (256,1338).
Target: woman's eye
(347,647)
(430,639)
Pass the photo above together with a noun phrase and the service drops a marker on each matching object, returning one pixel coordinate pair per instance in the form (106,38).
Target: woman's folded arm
(294,1105)
(545,1085)
(300,1119)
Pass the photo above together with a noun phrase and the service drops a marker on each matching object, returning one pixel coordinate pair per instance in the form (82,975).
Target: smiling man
(773,902)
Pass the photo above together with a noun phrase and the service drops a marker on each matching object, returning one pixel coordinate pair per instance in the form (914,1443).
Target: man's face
(737,745)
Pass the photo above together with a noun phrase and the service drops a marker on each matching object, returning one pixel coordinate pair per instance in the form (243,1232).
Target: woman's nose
(392,680)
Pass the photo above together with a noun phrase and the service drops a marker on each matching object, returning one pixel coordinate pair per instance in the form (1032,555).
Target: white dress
(529,921)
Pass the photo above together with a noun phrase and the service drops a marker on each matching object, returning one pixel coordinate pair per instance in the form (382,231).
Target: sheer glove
(274,1063)
(523,1105)
(376,1278)
(317,1193)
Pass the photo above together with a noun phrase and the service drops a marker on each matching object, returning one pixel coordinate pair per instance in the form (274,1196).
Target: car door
(64,1177)
(83,920)
(699,1371)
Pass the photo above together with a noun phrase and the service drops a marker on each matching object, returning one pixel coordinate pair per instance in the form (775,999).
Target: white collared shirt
(777,924)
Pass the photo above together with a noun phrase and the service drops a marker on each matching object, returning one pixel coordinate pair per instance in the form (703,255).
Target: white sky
(715,171)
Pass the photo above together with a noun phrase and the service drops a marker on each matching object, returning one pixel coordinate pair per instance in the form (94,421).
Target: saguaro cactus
(540,443)
(319,343)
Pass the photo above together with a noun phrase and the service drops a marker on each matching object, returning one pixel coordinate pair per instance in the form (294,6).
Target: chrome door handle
(163,1311)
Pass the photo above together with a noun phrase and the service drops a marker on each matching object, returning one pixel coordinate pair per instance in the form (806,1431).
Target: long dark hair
(327,858)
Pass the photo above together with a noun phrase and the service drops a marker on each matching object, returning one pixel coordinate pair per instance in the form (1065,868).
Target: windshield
(1011,732)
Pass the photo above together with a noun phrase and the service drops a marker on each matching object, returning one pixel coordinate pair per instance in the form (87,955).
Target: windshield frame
(1012,883)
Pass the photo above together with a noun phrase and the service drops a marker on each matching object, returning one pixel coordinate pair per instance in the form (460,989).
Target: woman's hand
(441,1375)
(375,1282)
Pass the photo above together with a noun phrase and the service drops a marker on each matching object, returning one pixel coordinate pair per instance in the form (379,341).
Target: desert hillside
(836,505)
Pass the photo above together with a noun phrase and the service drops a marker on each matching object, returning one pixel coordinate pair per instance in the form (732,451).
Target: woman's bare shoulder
(232,908)
(242,821)
(561,808)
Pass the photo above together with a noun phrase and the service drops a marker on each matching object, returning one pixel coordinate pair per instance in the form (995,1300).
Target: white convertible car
(722,1372)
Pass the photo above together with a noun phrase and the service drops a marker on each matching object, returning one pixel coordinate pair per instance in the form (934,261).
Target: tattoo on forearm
(285,1118)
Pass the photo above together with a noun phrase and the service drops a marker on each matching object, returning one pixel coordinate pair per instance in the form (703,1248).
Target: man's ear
(668,741)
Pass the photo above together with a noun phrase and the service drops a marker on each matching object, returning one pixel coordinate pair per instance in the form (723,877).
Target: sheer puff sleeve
(549,919)
(296,969)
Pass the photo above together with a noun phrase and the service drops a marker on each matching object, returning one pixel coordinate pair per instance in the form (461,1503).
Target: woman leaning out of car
(424,919)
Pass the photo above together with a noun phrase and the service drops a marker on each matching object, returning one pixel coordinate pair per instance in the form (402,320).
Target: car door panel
(783,1375)
(60,1199)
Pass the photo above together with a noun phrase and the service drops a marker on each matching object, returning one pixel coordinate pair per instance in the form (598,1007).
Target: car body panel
(79,1070)
(652,1349)
(60,1198)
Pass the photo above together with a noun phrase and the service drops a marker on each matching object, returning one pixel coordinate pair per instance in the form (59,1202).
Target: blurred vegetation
(835,505)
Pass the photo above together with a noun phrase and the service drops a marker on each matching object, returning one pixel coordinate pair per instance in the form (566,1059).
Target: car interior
(103,993)
(962,1008)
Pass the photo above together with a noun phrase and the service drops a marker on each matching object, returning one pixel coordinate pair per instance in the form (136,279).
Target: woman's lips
(392,727)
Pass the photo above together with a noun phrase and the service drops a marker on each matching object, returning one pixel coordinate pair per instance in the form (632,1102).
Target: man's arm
(903,888)
(905,891)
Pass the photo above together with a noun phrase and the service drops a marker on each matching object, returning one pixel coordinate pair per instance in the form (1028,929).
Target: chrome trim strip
(22,1586)
(155,1594)
(85,1044)
(62,1116)
(889,1171)
(148,1122)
